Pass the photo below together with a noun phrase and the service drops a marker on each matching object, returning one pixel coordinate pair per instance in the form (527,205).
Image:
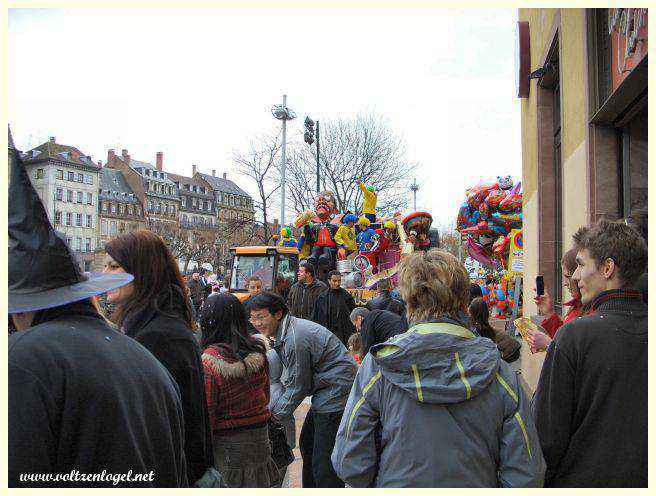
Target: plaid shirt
(236,401)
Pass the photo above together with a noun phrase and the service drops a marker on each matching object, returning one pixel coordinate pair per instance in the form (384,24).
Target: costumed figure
(345,237)
(370,200)
(367,240)
(323,231)
(286,237)
(417,227)
(305,241)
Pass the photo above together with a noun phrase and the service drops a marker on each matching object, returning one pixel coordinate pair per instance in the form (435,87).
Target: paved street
(295,469)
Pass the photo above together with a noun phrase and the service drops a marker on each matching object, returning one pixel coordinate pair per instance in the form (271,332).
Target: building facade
(151,185)
(119,209)
(232,202)
(197,203)
(584,134)
(67,183)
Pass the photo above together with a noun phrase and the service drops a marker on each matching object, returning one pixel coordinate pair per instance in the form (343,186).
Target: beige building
(584,134)
(67,183)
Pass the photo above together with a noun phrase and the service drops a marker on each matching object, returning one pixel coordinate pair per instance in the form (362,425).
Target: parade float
(364,252)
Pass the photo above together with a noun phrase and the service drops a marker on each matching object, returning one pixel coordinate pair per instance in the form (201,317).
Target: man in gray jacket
(436,406)
(316,364)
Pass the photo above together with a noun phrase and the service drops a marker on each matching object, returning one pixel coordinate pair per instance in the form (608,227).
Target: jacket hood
(438,362)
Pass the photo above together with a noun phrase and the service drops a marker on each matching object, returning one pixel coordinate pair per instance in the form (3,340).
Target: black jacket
(590,405)
(332,309)
(196,292)
(386,302)
(302,297)
(378,326)
(83,396)
(174,344)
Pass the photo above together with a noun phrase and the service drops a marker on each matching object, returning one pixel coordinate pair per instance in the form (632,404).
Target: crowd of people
(179,387)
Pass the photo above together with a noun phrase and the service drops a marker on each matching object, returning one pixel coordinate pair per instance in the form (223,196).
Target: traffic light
(308,136)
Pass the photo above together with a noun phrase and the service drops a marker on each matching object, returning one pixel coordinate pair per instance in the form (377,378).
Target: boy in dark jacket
(305,292)
(333,308)
(590,405)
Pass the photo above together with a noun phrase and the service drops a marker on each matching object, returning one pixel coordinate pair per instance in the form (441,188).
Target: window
(87,266)
(207,205)
(69,241)
(69,195)
(113,208)
(184,218)
(90,198)
(147,172)
(78,220)
(87,244)
(89,220)
(60,194)
(58,217)
(120,209)
(39,174)
(77,244)
(112,228)
(104,206)
(88,179)
(121,227)
(193,202)
(60,174)
(103,227)
(79,197)
(150,205)
(70,176)
(184,201)
(202,189)
(80,177)
(129,209)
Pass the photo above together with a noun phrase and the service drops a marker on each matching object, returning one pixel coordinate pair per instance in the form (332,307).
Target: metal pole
(414,201)
(283,163)
(317,140)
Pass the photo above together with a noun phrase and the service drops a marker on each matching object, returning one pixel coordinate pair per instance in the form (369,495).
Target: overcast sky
(199,84)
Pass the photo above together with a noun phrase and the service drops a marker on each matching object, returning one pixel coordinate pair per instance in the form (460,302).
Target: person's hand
(537,340)
(544,303)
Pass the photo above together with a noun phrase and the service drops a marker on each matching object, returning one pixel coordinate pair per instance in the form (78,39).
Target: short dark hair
(309,268)
(270,301)
(334,273)
(475,291)
(619,242)
(579,235)
(254,278)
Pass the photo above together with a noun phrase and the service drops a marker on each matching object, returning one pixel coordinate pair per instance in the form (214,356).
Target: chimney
(52,139)
(124,153)
(193,169)
(160,161)
(214,172)
(225,175)
(110,155)
(99,163)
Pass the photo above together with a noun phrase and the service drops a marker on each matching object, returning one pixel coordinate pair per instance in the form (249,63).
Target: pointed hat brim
(96,283)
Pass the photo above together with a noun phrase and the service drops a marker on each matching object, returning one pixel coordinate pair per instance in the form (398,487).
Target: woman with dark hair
(155,311)
(237,390)
(480,314)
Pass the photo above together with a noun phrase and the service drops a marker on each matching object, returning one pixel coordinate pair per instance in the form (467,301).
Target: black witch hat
(43,271)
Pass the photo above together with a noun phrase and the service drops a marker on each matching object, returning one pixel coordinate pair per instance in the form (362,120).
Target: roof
(225,185)
(145,165)
(113,186)
(54,151)
(193,181)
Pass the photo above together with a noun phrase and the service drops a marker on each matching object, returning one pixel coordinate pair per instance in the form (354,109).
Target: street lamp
(414,187)
(284,114)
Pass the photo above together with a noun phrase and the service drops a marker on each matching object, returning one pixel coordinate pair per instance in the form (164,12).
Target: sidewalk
(296,468)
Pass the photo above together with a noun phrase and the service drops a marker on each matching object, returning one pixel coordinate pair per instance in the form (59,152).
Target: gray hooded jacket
(316,364)
(449,411)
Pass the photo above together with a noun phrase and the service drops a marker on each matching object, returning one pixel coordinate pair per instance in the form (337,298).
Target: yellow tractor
(276,266)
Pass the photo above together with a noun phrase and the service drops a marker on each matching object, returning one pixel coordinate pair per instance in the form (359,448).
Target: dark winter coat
(83,396)
(173,343)
(333,311)
(302,297)
(590,405)
(379,326)
(196,289)
(385,301)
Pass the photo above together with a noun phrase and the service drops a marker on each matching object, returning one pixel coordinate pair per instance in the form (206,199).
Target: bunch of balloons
(488,214)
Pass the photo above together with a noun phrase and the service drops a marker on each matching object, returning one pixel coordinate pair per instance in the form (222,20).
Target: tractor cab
(276,266)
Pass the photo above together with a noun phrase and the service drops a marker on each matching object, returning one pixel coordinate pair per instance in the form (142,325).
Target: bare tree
(363,148)
(260,164)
